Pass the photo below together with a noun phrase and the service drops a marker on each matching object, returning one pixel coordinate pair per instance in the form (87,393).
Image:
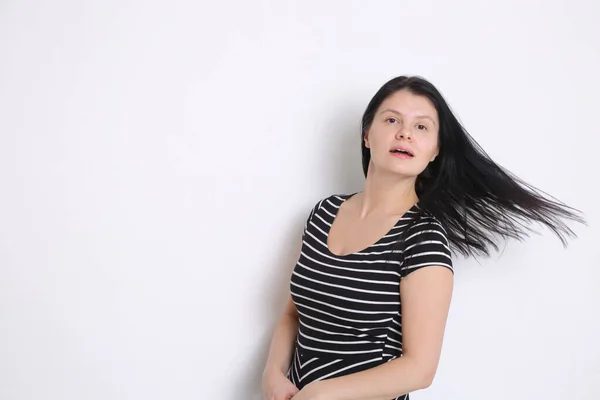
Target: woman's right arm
(276,386)
(282,343)
(284,334)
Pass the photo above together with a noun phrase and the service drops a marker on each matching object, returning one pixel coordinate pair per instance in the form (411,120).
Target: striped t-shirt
(349,306)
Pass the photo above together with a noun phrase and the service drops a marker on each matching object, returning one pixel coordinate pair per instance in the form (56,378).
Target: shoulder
(323,205)
(427,223)
(426,244)
(332,200)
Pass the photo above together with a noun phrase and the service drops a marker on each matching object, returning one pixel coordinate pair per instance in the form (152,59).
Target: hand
(312,391)
(276,386)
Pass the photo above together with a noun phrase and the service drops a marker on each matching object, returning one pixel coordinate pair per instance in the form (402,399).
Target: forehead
(409,104)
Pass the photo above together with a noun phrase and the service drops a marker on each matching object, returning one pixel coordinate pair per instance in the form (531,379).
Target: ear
(435,155)
(366,139)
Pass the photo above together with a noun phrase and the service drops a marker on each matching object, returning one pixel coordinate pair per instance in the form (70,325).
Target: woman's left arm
(425,297)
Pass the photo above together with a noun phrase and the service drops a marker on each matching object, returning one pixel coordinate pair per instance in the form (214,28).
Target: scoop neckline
(335,214)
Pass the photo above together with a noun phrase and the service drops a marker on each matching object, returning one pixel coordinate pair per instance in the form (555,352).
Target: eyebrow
(400,114)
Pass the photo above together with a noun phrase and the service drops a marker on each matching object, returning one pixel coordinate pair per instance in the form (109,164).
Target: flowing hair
(476,200)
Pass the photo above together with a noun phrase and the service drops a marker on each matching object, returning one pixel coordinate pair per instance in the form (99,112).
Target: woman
(370,293)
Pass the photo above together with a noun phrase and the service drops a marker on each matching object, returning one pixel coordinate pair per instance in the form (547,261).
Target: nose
(403,133)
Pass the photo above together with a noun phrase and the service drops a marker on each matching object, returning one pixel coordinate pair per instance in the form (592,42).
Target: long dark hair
(476,200)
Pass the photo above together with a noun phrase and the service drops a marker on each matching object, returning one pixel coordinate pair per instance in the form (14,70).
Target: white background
(158,160)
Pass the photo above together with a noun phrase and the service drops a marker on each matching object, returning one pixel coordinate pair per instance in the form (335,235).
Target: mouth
(402,152)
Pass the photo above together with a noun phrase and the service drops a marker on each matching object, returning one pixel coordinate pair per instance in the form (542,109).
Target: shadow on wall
(346,173)
(340,153)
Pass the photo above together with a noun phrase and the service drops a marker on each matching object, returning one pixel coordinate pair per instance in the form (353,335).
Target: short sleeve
(426,245)
(311,215)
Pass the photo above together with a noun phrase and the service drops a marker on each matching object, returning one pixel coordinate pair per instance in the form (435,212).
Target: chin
(404,172)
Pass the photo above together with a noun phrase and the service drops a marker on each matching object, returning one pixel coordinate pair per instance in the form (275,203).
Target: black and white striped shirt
(349,306)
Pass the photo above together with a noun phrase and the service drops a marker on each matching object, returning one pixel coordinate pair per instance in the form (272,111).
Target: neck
(388,194)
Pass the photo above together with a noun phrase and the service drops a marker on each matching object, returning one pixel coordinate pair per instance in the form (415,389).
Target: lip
(401,155)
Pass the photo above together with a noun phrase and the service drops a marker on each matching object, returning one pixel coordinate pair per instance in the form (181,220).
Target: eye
(391,120)
(422,127)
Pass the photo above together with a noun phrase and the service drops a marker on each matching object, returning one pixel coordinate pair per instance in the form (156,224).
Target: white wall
(157,162)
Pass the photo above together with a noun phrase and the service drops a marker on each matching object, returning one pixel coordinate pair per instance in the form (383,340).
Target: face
(404,123)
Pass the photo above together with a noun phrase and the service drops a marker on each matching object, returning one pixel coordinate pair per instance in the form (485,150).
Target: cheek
(376,139)
(429,147)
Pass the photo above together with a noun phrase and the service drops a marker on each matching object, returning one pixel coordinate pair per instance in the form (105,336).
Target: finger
(291,388)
